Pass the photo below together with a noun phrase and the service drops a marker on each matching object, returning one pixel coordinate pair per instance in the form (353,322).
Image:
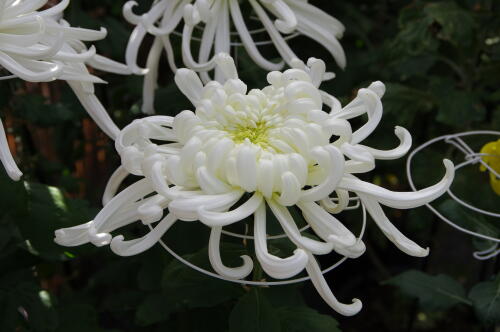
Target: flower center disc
(256,135)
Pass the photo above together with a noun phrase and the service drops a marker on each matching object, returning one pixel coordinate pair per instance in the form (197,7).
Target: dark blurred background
(440,61)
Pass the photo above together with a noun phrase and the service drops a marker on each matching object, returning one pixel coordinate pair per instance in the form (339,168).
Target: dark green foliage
(442,292)
(485,297)
(254,313)
(440,61)
(297,319)
(434,292)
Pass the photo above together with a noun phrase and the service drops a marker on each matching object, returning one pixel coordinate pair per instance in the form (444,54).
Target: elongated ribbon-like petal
(216,261)
(405,145)
(327,226)
(213,218)
(340,205)
(187,208)
(325,292)
(190,84)
(401,200)
(402,242)
(151,79)
(279,42)
(133,247)
(248,41)
(113,184)
(292,231)
(332,161)
(6,157)
(276,267)
(95,109)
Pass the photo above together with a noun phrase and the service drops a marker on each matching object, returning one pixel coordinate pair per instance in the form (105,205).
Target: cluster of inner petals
(268,140)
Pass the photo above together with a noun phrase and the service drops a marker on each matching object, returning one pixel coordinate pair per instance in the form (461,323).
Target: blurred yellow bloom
(492,158)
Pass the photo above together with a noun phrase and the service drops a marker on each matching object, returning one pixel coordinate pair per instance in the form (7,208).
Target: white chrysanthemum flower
(38,46)
(214,17)
(275,146)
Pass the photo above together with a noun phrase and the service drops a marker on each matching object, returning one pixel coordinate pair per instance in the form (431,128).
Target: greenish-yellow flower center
(256,135)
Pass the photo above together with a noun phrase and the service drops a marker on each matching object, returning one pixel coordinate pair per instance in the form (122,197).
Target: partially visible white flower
(276,147)
(214,17)
(39,46)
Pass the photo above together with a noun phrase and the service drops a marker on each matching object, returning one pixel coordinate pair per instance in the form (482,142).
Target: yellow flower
(492,158)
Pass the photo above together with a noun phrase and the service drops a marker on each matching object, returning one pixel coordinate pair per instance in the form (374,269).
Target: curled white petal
(276,267)
(6,157)
(216,261)
(113,184)
(325,292)
(402,200)
(190,84)
(402,242)
(328,227)
(133,247)
(95,109)
(214,218)
(332,161)
(186,208)
(287,223)
(248,41)
(404,146)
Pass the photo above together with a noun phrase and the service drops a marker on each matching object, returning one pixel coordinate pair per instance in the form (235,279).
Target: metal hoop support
(283,235)
(8,77)
(261,283)
(252,33)
(240,44)
(471,158)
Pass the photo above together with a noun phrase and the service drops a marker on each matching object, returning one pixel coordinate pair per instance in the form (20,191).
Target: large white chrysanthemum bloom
(214,17)
(39,46)
(276,147)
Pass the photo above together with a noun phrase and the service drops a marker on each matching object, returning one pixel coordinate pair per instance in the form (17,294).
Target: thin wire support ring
(283,235)
(261,283)
(471,157)
(8,77)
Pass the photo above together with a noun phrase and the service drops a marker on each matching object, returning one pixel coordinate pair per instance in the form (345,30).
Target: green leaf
(485,298)
(47,210)
(254,313)
(434,292)
(405,102)
(187,288)
(414,37)
(457,108)
(209,319)
(36,110)
(457,24)
(149,275)
(77,315)
(298,319)
(123,301)
(14,196)
(154,309)
(23,302)
(286,295)
(470,220)
(412,66)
